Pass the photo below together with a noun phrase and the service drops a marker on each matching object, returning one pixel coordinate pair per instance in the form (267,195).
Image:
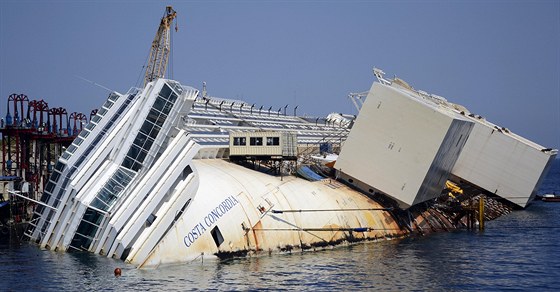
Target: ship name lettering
(210,219)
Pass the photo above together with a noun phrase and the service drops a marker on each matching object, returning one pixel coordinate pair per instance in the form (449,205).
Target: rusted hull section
(261,214)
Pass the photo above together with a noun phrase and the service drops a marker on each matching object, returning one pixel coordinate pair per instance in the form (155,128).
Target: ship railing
(36,218)
(337,137)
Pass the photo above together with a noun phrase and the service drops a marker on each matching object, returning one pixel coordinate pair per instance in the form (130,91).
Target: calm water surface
(516,252)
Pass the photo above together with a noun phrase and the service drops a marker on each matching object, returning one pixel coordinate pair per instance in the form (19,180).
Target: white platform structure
(503,163)
(402,145)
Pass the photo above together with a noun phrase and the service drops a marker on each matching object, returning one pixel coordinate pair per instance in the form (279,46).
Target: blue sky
(501,59)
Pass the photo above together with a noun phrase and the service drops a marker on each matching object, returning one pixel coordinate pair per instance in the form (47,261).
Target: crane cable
(170,65)
(172,48)
(142,70)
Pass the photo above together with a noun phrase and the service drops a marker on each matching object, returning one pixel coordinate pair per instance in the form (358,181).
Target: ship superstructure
(135,155)
(120,143)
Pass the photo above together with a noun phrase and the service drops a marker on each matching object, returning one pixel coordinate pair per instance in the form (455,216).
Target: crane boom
(159,53)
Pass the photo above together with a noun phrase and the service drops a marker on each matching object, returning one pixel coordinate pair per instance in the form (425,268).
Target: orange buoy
(118,272)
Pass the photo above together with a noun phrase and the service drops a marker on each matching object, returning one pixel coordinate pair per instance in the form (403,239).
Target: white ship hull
(244,206)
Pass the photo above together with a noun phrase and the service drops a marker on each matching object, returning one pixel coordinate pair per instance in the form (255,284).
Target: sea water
(515,252)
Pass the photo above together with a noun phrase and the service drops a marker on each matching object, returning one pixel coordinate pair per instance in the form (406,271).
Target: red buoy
(118,272)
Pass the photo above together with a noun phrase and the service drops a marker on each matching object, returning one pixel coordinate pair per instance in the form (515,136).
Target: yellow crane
(159,53)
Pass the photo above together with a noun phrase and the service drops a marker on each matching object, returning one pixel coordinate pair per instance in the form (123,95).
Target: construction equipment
(159,53)
(453,187)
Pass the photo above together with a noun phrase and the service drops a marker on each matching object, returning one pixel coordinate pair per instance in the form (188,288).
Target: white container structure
(503,163)
(263,144)
(402,145)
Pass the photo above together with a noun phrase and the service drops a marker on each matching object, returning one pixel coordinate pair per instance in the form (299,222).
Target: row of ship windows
(202,140)
(89,224)
(122,177)
(138,151)
(49,188)
(59,167)
(176,86)
(87,229)
(146,137)
(256,141)
(168,94)
(112,189)
(93,123)
(113,97)
(301,139)
(134,162)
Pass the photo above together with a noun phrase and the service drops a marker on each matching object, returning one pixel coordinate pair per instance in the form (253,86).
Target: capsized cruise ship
(167,174)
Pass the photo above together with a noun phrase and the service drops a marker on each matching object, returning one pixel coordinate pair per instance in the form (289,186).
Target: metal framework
(159,53)
(33,136)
